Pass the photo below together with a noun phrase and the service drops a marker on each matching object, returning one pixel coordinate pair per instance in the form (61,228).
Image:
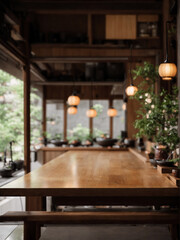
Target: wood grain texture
(148,18)
(92,217)
(120,26)
(95,173)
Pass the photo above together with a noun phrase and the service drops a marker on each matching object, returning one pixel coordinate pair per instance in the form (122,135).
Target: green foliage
(11,114)
(78,133)
(148,100)
(82,133)
(98,108)
(157,117)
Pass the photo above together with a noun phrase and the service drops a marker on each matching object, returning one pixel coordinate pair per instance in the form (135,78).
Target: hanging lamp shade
(72,110)
(111,112)
(91,113)
(131,90)
(124,106)
(167,71)
(73,100)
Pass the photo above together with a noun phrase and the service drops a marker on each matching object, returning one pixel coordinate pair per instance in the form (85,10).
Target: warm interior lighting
(167,70)
(124,106)
(91,113)
(131,90)
(111,112)
(72,110)
(73,100)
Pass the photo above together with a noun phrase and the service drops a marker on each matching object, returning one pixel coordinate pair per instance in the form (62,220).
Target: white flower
(152,106)
(147,115)
(149,111)
(146,94)
(148,100)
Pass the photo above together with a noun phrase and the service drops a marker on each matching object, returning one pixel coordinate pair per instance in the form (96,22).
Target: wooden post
(89,29)
(27,87)
(91,126)
(110,120)
(178,61)
(65,120)
(44,111)
(26,77)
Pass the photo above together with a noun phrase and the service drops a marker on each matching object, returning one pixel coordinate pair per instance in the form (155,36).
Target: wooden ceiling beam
(12,51)
(100,6)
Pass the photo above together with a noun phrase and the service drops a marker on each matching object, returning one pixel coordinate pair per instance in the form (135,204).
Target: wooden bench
(34,219)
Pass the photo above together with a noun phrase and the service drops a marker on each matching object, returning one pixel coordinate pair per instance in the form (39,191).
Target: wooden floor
(101,232)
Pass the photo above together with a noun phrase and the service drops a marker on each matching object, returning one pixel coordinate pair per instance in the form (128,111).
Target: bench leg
(31,231)
(33,204)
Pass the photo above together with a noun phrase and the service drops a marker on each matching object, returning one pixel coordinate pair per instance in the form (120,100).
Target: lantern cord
(91,98)
(131,65)
(167,45)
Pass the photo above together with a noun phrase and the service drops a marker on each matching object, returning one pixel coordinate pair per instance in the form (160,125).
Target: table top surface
(84,172)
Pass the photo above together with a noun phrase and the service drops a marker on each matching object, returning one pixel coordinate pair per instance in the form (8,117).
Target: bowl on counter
(59,143)
(106,142)
(75,143)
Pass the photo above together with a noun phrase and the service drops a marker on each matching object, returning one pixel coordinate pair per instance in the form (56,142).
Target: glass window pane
(80,117)
(55,118)
(101,122)
(119,120)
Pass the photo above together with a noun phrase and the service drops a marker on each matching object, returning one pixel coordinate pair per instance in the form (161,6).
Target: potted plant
(147,100)
(157,117)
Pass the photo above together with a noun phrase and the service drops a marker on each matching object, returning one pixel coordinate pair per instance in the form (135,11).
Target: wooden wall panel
(148,18)
(120,26)
(63,92)
(49,52)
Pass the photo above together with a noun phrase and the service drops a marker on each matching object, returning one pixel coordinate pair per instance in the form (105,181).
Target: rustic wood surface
(92,217)
(81,149)
(95,173)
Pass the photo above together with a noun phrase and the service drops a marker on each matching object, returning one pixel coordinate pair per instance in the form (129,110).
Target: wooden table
(46,154)
(95,178)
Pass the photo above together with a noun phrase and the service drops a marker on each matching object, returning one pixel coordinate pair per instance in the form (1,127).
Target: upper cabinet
(121,27)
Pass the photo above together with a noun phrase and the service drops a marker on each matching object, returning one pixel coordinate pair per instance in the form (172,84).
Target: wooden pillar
(44,111)
(178,61)
(89,29)
(91,126)
(110,120)
(27,87)
(65,120)
(26,78)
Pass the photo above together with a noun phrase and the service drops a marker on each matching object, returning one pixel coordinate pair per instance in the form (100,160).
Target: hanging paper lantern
(111,112)
(73,100)
(131,90)
(72,110)
(167,70)
(91,113)
(124,106)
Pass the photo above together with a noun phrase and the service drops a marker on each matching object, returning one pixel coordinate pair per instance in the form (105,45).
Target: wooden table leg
(34,203)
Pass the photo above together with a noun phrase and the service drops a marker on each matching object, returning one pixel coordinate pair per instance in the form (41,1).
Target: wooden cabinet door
(120,26)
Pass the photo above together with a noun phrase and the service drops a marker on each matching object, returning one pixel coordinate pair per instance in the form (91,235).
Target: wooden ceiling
(87,5)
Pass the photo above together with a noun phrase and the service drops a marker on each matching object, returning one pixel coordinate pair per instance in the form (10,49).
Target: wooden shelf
(148,38)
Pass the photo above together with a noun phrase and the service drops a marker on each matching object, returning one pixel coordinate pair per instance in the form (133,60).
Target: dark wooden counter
(46,154)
